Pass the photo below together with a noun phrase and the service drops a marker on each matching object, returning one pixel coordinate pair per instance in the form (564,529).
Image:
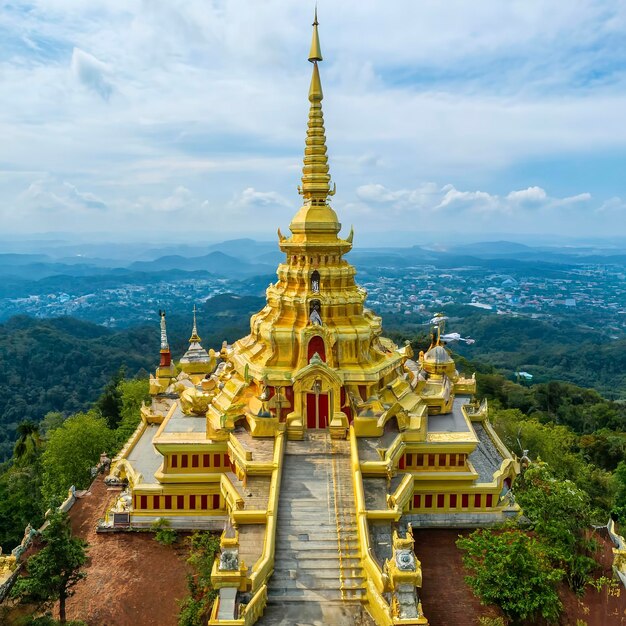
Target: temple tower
(315,330)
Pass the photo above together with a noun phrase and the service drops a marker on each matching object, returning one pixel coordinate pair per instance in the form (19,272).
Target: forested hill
(549,349)
(63,364)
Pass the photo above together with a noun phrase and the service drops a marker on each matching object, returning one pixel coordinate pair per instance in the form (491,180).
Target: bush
(164,534)
(511,570)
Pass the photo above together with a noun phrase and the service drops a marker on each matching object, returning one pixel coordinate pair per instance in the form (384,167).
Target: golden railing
(265,565)
(375,582)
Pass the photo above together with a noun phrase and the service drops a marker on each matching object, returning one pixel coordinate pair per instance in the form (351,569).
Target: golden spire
(315,54)
(315,176)
(194,333)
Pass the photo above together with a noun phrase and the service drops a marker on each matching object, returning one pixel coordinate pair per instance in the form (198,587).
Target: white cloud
(250,198)
(429,198)
(531,195)
(50,194)
(92,73)
(162,96)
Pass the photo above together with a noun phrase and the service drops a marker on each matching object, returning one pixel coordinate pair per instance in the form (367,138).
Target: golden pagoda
(313,443)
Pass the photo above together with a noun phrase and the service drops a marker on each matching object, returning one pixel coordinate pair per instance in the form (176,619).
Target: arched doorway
(316,345)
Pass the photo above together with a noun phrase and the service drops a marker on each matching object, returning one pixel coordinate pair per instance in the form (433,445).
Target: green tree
(560,514)
(72,450)
(133,393)
(511,569)
(28,444)
(619,504)
(51,421)
(55,569)
(194,609)
(110,401)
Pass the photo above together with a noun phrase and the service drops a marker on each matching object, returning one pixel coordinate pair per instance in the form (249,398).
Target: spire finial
(315,53)
(315,179)
(194,332)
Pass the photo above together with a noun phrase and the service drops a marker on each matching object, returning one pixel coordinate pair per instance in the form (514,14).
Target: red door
(323,410)
(317,410)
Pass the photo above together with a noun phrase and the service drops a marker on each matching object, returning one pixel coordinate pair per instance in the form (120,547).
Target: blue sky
(185,119)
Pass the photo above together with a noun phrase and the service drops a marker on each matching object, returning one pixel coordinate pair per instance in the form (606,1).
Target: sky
(185,120)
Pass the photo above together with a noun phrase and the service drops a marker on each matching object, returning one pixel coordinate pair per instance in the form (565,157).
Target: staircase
(317,572)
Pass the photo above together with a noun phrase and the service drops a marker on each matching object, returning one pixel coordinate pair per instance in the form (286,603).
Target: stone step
(312,562)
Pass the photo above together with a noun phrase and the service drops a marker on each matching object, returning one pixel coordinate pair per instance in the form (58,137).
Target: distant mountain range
(244,258)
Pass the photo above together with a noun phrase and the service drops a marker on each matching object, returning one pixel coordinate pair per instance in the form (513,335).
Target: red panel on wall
(184,460)
(206,460)
(204,502)
(288,391)
(409,460)
(402,462)
(216,501)
(489,501)
(192,502)
(195,460)
(180,502)
(477,500)
(453,500)
(417,501)
(440,501)
(217,458)
(428,501)
(465,501)
(168,502)
(316,344)
(310,410)
(156,502)
(174,458)
(431,460)
(143,502)
(323,410)
(419,460)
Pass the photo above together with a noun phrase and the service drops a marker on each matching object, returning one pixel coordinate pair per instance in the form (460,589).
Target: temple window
(206,460)
(168,502)
(174,460)
(184,460)
(216,460)
(417,501)
(204,502)
(192,502)
(428,501)
(315,312)
(453,500)
(143,502)
(477,501)
(441,499)
(156,502)
(489,500)
(464,501)
(195,461)
(180,502)
(315,282)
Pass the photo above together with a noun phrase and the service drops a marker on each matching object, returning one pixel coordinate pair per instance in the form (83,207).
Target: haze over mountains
(243,258)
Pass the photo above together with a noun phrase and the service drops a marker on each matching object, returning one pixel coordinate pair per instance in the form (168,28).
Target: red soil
(131,579)
(448,600)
